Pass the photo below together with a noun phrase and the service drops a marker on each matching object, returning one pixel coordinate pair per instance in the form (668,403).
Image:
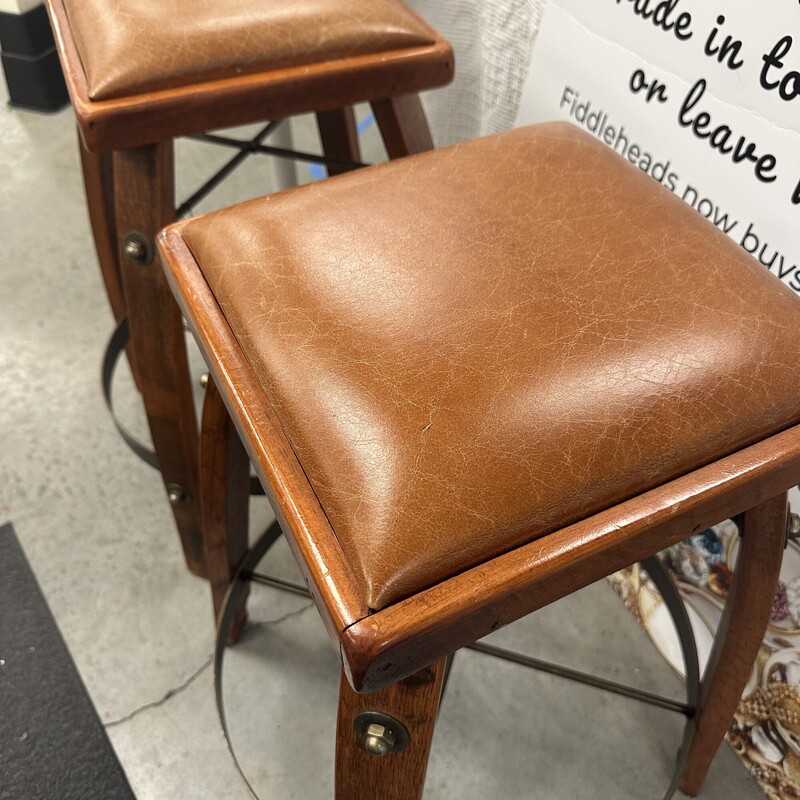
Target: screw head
(380,734)
(793,527)
(178,496)
(137,247)
(134,250)
(378,740)
(204,378)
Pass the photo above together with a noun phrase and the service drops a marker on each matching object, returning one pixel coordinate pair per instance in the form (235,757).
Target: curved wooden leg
(739,635)
(144,202)
(403,125)
(98,182)
(396,776)
(339,136)
(225,492)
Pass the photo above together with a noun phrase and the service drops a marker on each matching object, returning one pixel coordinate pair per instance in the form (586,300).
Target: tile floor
(97,529)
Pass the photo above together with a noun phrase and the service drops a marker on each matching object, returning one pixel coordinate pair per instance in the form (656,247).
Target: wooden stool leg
(225,491)
(403,125)
(144,202)
(339,136)
(98,182)
(396,776)
(739,635)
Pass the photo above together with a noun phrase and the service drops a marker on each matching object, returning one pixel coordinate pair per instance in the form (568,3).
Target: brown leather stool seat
(148,46)
(141,72)
(476,380)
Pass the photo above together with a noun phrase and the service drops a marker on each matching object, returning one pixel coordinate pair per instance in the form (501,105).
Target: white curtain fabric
(492,40)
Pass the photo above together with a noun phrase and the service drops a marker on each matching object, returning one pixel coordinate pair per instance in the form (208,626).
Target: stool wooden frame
(393,659)
(127,156)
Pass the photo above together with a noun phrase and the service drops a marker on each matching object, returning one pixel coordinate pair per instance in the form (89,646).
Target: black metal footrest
(114,350)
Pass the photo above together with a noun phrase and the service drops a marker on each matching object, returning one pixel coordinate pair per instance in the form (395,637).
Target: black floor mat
(52,743)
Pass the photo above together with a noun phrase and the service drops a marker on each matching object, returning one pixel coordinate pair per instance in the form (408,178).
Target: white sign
(703,96)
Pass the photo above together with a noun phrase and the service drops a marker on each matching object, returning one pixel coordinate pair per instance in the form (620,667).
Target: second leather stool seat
(475,380)
(142,72)
(128,48)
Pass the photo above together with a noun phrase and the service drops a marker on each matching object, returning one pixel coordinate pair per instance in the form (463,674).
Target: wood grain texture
(156,116)
(397,776)
(403,125)
(225,493)
(339,136)
(98,182)
(739,634)
(144,202)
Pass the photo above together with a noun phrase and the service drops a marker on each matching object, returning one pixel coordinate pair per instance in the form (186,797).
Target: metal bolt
(137,247)
(134,249)
(204,378)
(380,734)
(178,496)
(378,740)
(793,527)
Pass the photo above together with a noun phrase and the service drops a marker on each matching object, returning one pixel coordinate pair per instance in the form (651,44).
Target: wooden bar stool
(142,73)
(474,381)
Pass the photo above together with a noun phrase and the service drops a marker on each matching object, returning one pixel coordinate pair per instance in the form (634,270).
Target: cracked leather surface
(133,46)
(471,348)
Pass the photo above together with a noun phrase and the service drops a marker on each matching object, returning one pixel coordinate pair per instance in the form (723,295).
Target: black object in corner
(30,62)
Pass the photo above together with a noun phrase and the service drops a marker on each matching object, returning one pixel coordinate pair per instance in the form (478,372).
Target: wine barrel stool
(474,381)
(140,74)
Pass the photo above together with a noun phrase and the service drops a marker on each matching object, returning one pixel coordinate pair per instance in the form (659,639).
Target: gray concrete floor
(97,528)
